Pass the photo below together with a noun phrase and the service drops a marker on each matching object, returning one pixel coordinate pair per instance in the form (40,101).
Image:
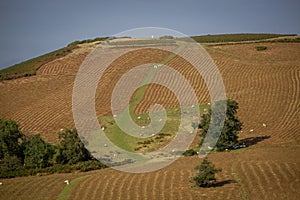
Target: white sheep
(67,182)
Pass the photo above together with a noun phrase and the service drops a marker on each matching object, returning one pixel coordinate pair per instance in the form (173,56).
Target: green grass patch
(132,144)
(128,142)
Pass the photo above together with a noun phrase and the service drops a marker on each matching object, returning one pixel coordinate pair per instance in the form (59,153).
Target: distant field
(30,67)
(236,37)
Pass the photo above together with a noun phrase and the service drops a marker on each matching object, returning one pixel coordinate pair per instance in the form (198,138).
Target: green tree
(205,176)
(71,150)
(10,166)
(10,139)
(38,153)
(231,126)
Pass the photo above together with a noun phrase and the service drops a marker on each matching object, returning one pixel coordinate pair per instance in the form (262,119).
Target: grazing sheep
(251,130)
(264,125)
(67,182)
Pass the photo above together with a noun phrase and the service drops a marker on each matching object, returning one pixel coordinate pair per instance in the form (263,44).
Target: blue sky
(34,27)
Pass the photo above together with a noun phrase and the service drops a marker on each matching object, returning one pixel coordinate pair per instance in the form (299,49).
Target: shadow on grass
(254,140)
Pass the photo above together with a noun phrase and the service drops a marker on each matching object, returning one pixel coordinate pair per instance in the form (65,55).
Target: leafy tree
(71,150)
(205,176)
(38,153)
(10,166)
(10,139)
(231,126)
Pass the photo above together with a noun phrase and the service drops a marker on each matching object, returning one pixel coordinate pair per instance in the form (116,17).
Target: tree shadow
(222,183)
(254,140)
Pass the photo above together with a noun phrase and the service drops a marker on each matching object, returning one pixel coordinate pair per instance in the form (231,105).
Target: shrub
(205,176)
(261,48)
(190,152)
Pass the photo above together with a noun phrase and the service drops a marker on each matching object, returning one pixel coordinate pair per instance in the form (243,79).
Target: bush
(190,152)
(205,176)
(261,48)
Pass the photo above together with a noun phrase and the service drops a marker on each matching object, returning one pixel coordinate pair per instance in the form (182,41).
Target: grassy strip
(235,37)
(75,43)
(127,142)
(65,193)
(237,178)
(141,91)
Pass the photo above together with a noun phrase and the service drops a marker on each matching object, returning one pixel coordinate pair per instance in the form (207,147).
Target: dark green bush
(205,176)
(190,152)
(261,48)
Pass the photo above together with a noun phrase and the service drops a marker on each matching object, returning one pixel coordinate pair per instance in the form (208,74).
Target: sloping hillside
(266,85)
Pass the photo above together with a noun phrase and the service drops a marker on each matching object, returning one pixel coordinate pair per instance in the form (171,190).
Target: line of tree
(21,155)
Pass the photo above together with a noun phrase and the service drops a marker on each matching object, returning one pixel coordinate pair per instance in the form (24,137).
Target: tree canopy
(231,126)
(38,153)
(71,149)
(10,139)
